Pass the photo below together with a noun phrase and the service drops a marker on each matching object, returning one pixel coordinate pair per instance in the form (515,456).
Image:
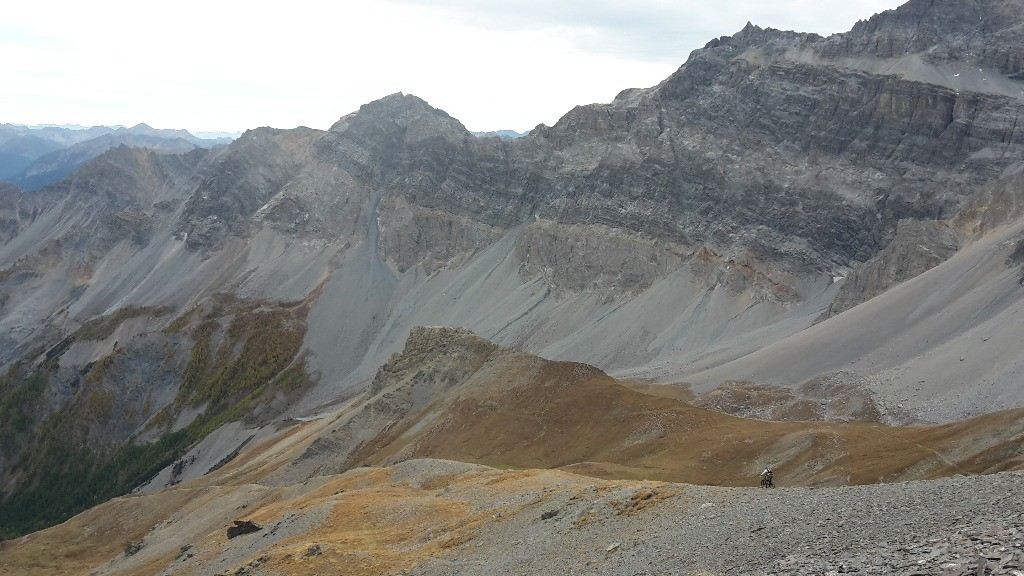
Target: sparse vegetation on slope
(68,466)
(20,399)
(102,327)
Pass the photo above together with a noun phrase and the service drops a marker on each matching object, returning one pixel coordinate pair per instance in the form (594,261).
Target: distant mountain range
(501,134)
(32,157)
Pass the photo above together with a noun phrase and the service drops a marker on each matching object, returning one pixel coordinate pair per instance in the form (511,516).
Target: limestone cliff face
(995,204)
(917,247)
(595,258)
(412,235)
(936,29)
(853,142)
(232,190)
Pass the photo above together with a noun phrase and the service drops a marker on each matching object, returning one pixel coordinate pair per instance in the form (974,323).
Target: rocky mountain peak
(426,338)
(393,135)
(143,129)
(941,42)
(752,35)
(249,172)
(946,17)
(436,349)
(982,33)
(405,114)
(118,174)
(398,104)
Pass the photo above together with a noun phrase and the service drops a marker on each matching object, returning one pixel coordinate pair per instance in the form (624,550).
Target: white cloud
(658,30)
(232,65)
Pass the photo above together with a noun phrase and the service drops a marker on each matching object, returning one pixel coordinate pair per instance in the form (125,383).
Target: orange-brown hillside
(452,395)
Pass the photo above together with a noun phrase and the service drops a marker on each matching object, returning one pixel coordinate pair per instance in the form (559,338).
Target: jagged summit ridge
(983,32)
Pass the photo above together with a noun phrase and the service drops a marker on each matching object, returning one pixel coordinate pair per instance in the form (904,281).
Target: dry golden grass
(679,391)
(365,524)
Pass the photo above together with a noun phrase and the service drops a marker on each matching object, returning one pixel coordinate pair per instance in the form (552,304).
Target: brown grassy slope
(599,421)
(369,521)
(519,411)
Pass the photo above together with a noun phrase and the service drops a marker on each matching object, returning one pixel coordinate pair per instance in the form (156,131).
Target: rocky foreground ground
(435,517)
(952,526)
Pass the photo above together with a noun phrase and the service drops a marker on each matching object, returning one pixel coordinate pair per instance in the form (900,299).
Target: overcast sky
(211,65)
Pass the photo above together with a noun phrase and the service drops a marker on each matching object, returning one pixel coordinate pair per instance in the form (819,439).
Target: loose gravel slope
(438,517)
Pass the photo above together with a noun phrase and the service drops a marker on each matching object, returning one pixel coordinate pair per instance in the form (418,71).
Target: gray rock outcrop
(917,247)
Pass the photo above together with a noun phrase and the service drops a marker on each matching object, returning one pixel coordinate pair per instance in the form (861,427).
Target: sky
(222,65)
